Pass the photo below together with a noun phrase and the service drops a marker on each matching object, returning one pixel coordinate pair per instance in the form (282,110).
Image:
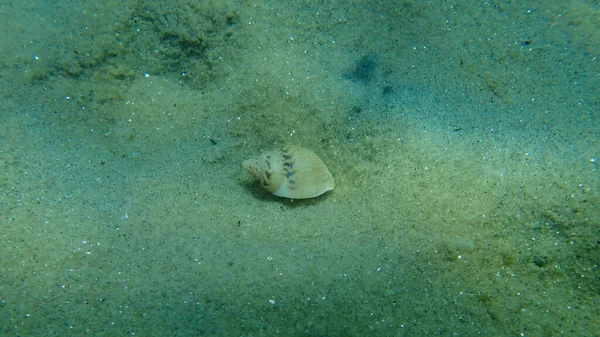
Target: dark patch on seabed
(363,70)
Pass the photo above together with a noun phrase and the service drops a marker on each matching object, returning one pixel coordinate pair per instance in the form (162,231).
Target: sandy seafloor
(463,138)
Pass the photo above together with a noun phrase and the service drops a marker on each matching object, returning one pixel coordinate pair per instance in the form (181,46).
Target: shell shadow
(259,193)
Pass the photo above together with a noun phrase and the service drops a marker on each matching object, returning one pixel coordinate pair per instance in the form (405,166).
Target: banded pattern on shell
(291,172)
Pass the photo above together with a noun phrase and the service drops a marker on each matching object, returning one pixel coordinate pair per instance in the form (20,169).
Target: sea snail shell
(290,172)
